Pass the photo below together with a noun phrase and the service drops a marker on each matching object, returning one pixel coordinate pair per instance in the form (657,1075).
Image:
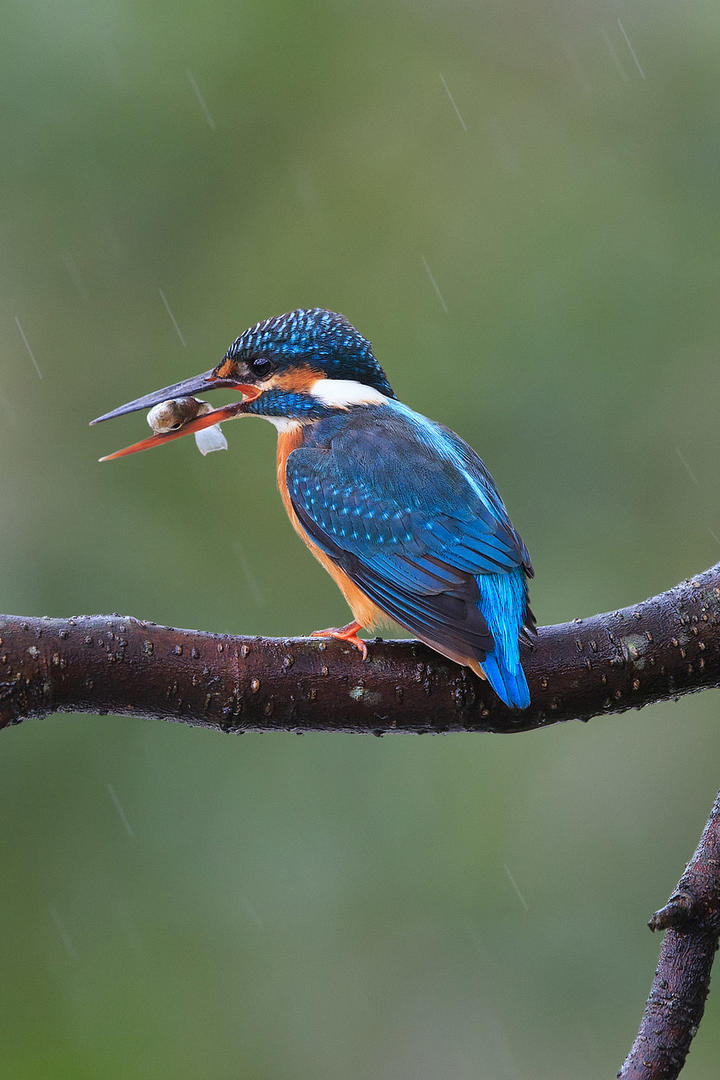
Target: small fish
(174,414)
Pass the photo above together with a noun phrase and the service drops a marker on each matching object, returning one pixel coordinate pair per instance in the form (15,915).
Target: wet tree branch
(658,649)
(661,648)
(677,996)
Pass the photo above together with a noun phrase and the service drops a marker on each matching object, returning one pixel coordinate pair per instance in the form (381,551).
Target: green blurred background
(176,903)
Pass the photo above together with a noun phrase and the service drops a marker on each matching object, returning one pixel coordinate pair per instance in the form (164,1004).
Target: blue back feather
(413,517)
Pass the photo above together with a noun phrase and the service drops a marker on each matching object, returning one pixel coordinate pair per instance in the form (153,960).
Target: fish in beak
(190,418)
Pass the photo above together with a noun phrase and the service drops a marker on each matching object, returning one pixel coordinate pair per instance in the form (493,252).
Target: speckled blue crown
(319,338)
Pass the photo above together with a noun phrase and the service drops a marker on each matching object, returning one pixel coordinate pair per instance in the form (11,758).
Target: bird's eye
(261,366)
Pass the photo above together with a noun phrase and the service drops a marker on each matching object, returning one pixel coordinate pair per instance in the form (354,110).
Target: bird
(399,509)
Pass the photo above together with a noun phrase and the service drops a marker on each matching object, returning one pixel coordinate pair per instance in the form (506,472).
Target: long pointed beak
(188,388)
(200,422)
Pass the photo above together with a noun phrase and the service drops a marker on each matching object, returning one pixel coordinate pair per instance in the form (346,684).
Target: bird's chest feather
(364,610)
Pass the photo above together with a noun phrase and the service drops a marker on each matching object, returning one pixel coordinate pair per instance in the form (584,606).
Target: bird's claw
(345,633)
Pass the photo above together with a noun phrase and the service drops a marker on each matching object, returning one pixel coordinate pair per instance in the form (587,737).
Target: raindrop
(201,100)
(121,813)
(516,887)
(250,577)
(434,284)
(75,275)
(62,931)
(628,42)
(687,468)
(26,343)
(163,297)
(613,53)
(453,102)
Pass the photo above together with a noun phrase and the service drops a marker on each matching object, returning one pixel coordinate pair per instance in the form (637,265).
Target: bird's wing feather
(477,469)
(402,507)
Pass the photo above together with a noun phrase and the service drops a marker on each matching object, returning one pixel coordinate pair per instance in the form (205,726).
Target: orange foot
(345,633)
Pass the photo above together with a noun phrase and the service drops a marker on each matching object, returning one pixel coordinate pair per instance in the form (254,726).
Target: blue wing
(412,516)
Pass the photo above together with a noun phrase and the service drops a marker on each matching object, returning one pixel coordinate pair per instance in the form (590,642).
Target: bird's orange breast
(367,613)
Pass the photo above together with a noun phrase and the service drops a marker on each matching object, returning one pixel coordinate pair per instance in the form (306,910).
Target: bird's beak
(188,388)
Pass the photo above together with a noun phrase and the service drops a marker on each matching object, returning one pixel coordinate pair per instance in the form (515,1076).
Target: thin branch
(677,996)
(658,649)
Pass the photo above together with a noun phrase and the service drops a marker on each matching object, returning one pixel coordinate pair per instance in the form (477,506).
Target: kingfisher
(399,509)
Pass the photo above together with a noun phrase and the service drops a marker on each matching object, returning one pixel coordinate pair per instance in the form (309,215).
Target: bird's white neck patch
(283,424)
(342,393)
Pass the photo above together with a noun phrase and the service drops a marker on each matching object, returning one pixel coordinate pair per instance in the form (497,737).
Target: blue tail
(510,686)
(503,602)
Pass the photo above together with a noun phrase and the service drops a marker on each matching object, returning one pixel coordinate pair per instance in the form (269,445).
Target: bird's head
(298,348)
(291,368)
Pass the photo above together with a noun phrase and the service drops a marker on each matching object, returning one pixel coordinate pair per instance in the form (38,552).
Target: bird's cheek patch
(226,370)
(298,380)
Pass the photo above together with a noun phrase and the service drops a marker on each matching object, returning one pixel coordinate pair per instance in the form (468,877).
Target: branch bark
(677,997)
(661,648)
